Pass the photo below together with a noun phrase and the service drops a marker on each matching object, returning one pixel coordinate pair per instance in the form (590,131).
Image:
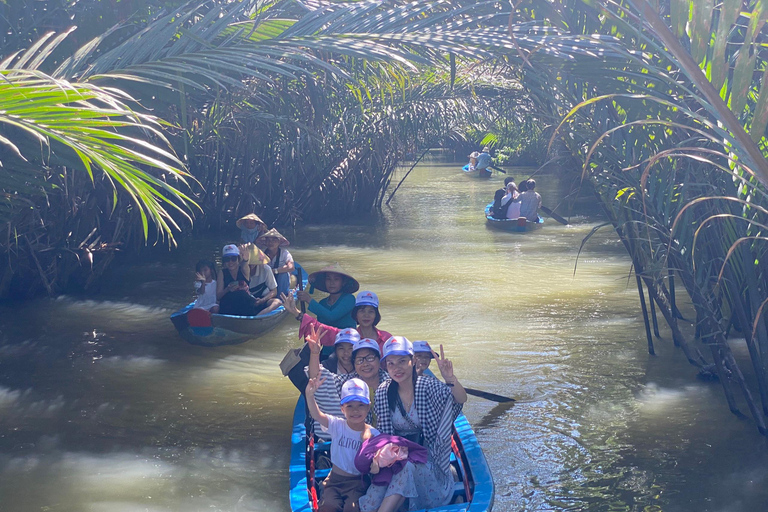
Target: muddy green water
(104,408)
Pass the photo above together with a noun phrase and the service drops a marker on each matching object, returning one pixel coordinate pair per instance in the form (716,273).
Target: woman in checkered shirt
(421,409)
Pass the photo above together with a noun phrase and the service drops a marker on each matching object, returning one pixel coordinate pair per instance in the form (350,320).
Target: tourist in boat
(422,356)
(530,202)
(263,287)
(251,228)
(366,359)
(501,193)
(473,160)
(421,409)
(484,161)
(335,309)
(341,363)
(280,260)
(365,313)
(510,204)
(232,283)
(205,286)
(344,484)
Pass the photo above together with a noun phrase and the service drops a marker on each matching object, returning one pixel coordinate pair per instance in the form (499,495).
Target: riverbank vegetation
(294,109)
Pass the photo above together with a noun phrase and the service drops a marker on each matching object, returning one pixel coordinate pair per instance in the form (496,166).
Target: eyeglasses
(230,258)
(367,359)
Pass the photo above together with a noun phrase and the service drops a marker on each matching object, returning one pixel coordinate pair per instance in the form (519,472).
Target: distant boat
(475,174)
(229,329)
(473,492)
(514,225)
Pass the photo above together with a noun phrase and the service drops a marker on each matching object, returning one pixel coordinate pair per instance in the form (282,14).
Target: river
(103,408)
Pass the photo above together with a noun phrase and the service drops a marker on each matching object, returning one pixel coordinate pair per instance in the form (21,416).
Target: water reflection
(104,408)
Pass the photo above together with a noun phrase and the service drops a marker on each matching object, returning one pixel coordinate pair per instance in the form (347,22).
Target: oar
(301,287)
(554,216)
(497,169)
(493,397)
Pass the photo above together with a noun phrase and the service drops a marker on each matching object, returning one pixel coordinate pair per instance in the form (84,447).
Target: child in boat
(335,309)
(251,228)
(205,286)
(344,485)
(530,202)
(422,356)
(280,260)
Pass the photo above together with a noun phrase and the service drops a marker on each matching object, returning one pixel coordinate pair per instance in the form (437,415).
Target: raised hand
(289,303)
(313,385)
(313,338)
(445,365)
(199,277)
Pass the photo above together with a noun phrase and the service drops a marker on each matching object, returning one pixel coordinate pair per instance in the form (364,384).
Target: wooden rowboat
(229,329)
(473,492)
(513,225)
(226,329)
(476,174)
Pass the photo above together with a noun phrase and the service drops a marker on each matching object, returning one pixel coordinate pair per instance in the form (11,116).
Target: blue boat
(519,225)
(476,174)
(230,329)
(473,492)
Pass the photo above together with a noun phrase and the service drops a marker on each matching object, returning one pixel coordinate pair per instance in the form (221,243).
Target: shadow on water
(104,408)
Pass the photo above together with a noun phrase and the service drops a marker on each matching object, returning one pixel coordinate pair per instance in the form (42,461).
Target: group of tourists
(389,423)
(253,274)
(517,201)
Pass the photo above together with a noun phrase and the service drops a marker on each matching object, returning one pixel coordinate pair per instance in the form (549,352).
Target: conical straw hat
(256,256)
(250,216)
(317,279)
(274,234)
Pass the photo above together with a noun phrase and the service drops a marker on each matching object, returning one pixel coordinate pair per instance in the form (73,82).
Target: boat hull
(229,329)
(520,225)
(471,461)
(481,175)
(226,329)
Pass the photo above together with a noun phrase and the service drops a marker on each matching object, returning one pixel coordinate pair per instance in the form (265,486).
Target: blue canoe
(473,492)
(230,329)
(475,174)
(520,225)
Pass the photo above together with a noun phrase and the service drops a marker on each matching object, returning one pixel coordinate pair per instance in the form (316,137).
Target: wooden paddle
(301,287)
(493,397)
(497,169)
(554,216)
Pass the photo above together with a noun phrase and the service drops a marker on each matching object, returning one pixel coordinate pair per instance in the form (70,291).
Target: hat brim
(250,216)
(423,352)
(398,353)
(343,341)
(355,398)
(317,279)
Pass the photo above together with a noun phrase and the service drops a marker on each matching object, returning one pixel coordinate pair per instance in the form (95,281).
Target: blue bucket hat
(397,346)
(366,298)
(366,343)
(422,346)
(348,335)
(355,390)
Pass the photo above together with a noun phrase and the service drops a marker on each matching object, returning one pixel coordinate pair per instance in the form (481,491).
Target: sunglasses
(225,259)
